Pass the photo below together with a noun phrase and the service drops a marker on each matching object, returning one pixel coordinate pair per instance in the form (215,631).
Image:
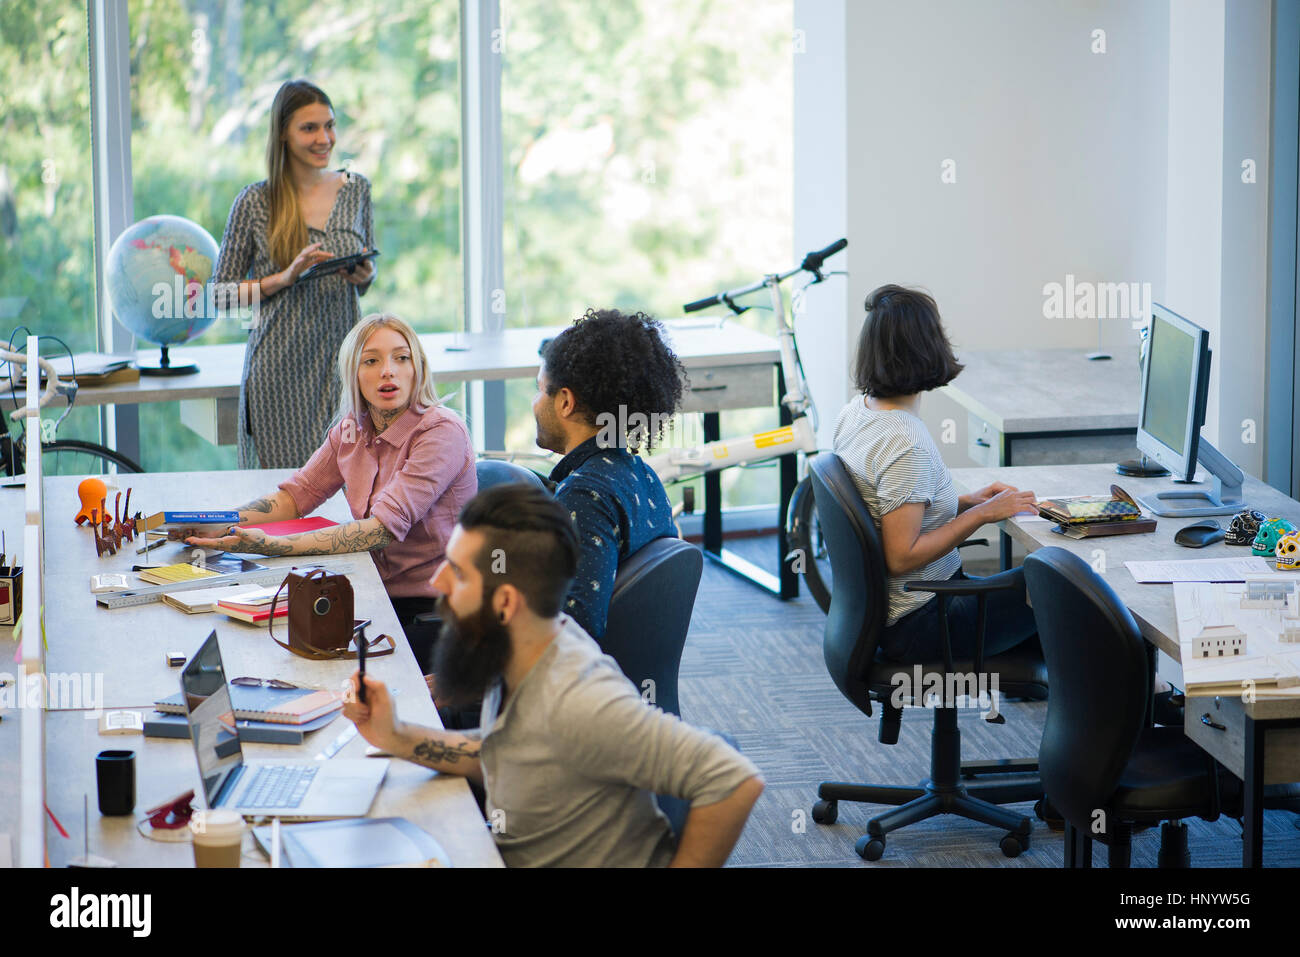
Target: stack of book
(1094,516)
(254,606)
(266,715)
(92,369)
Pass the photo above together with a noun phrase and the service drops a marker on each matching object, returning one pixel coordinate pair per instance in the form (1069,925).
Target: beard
(471,653)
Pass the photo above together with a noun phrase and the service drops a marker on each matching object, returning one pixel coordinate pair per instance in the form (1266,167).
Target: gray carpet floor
(753,666)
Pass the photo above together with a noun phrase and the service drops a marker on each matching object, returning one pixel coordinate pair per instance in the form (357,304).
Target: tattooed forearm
(363,536)
(434,752)
(260,505)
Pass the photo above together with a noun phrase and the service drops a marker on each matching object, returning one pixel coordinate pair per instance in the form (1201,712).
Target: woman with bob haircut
(903,352)
(304,212)
(406,461)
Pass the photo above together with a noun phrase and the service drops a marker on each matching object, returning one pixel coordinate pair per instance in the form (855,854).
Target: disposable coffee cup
(218,836)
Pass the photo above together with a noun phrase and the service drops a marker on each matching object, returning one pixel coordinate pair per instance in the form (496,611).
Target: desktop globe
(158,274)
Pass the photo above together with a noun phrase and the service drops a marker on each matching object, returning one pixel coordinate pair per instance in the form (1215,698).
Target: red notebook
(254,617)
(294,525)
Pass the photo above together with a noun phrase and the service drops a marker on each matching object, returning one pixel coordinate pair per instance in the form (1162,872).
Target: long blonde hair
(287,231)
(350,398)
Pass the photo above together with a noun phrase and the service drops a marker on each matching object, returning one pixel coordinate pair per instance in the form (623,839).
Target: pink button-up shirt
(414,477)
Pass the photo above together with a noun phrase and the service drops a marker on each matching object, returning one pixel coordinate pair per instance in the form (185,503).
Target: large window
(647,162)
(645,146)
(47,265)
(203,76)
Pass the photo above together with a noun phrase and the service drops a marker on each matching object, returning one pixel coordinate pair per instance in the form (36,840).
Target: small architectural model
(1219,641)
(1269,591)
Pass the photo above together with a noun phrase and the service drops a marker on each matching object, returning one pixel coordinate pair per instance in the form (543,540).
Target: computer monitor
(1175,391)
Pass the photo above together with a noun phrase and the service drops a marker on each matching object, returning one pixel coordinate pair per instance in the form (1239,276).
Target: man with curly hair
(608,385)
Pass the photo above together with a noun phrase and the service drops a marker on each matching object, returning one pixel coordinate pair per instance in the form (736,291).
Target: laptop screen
(212,719)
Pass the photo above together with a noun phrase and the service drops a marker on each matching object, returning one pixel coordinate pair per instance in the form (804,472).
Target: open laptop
(292,790)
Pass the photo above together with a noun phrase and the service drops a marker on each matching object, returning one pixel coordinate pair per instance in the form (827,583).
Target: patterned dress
(289,392)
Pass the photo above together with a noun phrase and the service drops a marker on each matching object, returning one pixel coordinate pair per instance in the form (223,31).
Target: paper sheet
(1199,570)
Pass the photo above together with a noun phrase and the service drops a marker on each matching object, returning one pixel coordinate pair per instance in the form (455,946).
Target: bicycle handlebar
(811,263)
(52,383)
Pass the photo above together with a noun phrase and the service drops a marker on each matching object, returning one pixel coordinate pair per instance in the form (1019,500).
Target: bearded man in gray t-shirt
(569,755)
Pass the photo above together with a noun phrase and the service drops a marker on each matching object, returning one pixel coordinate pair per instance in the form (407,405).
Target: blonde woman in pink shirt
(406,462)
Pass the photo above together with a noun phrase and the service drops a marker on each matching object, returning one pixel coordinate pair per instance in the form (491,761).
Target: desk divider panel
(31,825)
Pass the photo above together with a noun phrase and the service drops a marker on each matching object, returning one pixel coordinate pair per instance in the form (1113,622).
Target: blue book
(201,518)
(223,516)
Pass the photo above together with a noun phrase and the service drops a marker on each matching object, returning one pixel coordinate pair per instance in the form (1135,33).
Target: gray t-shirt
(573,760)
(894,461)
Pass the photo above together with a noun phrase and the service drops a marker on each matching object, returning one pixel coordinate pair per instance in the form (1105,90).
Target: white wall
(1059,152)
(1122,166)
(821,197)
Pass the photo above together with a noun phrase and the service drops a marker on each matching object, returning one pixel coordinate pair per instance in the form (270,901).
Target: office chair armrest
(973,541)
(959,586)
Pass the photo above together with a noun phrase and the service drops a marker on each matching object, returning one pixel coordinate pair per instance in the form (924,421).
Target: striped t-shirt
(893,461)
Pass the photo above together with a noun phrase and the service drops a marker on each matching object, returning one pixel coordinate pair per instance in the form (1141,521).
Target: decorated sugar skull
(1269,533)
(1244,527)
(1288,552)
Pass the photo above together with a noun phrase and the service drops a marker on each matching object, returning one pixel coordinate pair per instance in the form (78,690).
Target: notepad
(276,705)
(294,526)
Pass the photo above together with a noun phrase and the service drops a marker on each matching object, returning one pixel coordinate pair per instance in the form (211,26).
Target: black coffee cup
(115,773)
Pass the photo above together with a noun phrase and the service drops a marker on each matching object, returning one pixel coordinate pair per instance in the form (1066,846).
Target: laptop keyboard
(278,786)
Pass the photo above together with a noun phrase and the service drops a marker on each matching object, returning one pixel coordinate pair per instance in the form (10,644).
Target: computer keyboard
(278,786)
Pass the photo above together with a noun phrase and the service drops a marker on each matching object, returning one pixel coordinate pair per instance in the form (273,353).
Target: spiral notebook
(276,705)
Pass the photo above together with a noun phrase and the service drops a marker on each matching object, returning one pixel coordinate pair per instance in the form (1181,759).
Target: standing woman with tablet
(303,213)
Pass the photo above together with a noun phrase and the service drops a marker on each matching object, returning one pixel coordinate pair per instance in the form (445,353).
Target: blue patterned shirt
(618,505)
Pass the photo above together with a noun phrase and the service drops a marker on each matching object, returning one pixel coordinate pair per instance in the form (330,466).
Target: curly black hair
(621,370)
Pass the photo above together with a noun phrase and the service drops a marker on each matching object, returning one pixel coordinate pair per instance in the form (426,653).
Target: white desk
(127,647)
(732,364)
(1259,741)
(1047,407)
(728,366)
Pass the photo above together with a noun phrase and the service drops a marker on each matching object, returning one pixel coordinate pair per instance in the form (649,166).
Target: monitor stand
(1225,499)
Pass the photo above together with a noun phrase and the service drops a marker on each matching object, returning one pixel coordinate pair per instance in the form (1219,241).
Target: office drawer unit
(1218,726)
(720,388)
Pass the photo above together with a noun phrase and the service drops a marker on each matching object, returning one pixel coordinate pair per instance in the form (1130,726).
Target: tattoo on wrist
(434,751)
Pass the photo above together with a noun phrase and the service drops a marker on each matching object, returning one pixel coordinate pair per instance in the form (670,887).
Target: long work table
(122,651)
(1257,739)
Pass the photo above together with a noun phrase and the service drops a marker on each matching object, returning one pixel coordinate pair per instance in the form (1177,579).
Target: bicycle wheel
(75,457)
(807,548)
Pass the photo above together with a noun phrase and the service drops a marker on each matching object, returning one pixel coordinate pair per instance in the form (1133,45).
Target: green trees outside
(646,151)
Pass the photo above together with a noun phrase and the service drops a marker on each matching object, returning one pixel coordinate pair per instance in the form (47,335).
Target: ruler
(269,576)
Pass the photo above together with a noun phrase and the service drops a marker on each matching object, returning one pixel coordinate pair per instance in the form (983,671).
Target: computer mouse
(1200,534)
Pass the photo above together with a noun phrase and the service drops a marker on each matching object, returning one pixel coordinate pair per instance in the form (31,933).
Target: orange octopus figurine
(92,493)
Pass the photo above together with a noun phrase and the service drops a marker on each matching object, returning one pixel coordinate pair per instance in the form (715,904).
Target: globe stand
(166,366)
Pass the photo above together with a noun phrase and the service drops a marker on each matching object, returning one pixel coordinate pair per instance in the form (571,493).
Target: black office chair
(853,628)
(499,472)
(1102,767)
(424,634)
(645,632)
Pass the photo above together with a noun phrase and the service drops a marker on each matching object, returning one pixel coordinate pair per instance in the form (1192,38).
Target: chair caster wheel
(1012,844)
(825,812)
(1049,815)
(870,848)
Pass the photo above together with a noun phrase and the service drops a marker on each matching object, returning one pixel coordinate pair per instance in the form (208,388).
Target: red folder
(294,525)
